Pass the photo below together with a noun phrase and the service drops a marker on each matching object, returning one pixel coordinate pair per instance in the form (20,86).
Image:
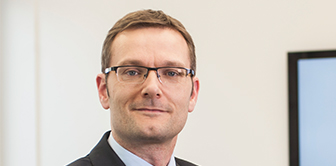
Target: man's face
(150,111)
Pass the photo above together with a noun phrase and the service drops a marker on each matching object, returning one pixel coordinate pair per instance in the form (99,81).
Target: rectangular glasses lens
(131,74)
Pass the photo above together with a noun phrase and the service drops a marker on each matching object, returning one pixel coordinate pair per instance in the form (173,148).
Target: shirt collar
(129,158)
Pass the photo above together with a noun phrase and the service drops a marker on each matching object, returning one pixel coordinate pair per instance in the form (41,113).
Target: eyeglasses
(138,74)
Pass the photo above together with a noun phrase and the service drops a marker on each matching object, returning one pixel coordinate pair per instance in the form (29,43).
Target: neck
(156,153)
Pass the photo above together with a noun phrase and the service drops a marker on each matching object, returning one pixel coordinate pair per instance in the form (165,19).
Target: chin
(153,134)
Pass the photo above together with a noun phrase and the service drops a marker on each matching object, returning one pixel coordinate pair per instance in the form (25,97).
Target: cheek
(181,115)
(180,98)
(117,97)
(121,96)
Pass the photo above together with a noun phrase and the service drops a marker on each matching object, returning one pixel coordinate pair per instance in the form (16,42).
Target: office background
(50,55)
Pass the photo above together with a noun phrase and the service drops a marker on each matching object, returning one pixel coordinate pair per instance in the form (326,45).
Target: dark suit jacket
(104,155)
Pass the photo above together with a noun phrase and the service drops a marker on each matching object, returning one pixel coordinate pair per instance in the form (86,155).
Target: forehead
(151,46)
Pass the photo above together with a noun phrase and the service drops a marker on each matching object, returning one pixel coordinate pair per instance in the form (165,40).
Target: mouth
(151,110)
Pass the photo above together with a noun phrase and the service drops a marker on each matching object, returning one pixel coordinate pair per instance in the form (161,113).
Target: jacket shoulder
(85,161)
(181,162)
(101,155)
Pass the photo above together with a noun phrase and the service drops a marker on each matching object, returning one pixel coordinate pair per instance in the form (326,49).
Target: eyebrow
(173,64)
(131,62)
(140,63)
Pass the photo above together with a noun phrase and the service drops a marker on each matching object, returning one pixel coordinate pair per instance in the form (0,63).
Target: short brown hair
(145,18)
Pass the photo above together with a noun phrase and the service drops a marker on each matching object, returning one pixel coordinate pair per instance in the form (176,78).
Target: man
(149,85)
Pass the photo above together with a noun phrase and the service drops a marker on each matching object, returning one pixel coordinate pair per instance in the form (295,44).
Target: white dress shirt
(129,158)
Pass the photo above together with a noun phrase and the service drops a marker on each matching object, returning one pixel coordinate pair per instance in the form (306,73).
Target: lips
(150,106)
(150,110)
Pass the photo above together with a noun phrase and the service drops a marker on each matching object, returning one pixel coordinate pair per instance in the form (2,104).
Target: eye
(132,73)
(172,72)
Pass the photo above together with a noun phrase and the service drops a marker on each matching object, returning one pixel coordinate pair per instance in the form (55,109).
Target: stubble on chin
(133,128)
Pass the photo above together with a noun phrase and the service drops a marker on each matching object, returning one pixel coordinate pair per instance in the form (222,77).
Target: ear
(193,97)
(102,91)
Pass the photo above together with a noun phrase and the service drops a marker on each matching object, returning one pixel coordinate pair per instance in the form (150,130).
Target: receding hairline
(113,47)
(146,18)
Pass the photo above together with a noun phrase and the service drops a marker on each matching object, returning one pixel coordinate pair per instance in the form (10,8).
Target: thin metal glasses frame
(114,68)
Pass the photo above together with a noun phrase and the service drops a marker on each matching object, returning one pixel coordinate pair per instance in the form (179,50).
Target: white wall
(51,54)
(1,64)
(18,83)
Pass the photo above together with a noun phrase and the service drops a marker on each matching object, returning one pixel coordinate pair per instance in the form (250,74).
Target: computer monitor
(312,108)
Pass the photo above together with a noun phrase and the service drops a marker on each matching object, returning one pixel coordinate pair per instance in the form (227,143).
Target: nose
(151,86)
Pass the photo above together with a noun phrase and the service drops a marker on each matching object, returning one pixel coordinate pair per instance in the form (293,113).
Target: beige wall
(1,90)
(51,54)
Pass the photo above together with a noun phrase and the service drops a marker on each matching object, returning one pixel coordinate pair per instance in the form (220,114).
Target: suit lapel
(103,154)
